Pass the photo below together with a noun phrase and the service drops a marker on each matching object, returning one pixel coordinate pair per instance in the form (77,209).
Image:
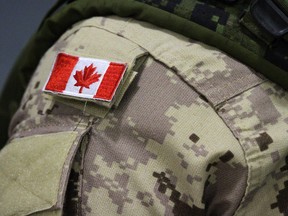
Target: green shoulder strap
(216,25)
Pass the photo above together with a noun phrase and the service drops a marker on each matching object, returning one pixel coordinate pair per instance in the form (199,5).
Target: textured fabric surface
(173,15)
(31,170)
(213,74)
(152,154)
(171,146)
(259,120)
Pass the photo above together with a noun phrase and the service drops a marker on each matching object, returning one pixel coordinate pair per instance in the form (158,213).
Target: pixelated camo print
(172,146)
(214,15)
(259,119)
(231,20)
(162,153)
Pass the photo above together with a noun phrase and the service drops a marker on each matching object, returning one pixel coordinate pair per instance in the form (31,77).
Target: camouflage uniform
(229,27)
(194,132)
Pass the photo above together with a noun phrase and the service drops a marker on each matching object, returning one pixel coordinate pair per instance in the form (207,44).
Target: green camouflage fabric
(196,133)
(223,18)
(230,28)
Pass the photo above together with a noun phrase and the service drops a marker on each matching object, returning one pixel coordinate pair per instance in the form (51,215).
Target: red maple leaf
(86,78)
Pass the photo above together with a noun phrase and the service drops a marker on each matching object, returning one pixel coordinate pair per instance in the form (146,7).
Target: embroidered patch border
(85,78)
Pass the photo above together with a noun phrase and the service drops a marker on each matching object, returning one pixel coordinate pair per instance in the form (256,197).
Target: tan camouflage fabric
(193,132)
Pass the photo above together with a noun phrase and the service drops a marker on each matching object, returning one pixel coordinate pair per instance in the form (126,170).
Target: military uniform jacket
(191,131)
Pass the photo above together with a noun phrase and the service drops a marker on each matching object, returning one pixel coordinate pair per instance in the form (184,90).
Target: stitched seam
(163,62)
(64,177)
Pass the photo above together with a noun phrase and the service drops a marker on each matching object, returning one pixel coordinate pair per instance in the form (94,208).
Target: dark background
(19,19)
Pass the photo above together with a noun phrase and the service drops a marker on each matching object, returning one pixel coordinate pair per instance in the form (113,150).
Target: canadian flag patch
(86,78)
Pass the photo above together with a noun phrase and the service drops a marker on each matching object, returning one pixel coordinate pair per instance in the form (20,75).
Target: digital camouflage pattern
(196,133)
(223,18)
(228,27)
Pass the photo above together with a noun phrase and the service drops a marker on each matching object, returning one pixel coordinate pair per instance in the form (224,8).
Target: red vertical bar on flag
(110,81)
(61,72)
